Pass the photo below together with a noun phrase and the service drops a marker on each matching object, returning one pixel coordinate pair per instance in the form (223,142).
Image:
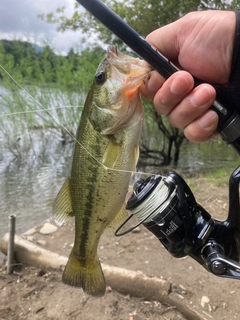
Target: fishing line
(33,111)
(154,203)
(59,123)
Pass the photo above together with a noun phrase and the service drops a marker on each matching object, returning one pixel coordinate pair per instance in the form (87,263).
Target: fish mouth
(132,71)
(126,75)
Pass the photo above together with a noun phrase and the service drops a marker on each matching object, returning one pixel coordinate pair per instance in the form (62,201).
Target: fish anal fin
(89,276)
(62,206)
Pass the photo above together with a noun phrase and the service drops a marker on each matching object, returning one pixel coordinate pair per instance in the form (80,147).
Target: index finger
(151,85)
(165,39)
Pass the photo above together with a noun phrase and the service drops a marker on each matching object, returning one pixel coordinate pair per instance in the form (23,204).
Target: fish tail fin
(88,277)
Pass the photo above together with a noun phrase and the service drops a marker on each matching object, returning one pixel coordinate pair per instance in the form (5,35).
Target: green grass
(217,177)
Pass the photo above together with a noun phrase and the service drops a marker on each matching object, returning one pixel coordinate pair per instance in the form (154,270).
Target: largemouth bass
(105,153)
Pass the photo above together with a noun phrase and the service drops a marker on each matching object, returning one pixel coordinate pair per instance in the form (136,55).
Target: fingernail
(208,120)
(200,97)
(179,85)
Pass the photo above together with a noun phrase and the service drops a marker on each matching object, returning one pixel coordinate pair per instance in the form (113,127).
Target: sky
(18,20)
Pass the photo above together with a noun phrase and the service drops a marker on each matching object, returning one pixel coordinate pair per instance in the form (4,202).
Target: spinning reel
(167,207)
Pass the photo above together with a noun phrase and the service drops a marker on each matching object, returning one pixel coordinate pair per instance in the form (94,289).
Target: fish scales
(104,155)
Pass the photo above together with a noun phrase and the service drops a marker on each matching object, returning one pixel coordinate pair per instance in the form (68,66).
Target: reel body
(167,207)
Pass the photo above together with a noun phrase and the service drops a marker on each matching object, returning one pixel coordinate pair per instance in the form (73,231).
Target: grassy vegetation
(52,113)
(217,177)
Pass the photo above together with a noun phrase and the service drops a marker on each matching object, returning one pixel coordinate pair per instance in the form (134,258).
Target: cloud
(18,20)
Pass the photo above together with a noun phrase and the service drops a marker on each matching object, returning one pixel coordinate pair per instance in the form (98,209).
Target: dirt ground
(32,293)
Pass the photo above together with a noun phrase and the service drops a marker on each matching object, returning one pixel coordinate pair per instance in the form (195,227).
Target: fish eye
(100,77)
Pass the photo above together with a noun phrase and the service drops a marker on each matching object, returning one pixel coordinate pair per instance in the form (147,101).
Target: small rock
(30,232)
(42,242)
(65,244)
(30,238)
(136,230)
(108,289)
(204,300)
(182,287)
(48,228)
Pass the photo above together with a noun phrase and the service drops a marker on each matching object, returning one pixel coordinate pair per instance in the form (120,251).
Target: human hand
(202,44)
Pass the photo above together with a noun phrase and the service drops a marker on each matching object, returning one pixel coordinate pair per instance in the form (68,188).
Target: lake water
(28,188)
(32,170)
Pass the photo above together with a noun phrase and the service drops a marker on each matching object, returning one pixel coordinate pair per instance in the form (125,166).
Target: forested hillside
(31,64)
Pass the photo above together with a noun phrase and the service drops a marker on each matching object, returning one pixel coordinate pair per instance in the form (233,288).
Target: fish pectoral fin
(89,276)
(62,206)
(135,156)
(111,154)
(121,216)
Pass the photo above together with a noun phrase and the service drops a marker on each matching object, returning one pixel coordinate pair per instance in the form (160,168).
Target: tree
(30,66)
(7,62)
(160,143)
(143,15)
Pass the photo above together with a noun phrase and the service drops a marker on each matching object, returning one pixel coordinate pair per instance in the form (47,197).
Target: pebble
(42,242)
(30,232)
(48,228)
(204,300)
(30,238)
(136,230)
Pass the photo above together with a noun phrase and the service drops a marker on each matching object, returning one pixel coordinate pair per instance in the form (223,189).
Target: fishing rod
(166,206)
(229,119)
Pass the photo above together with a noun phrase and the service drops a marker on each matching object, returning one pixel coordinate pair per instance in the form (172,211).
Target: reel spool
(167,207)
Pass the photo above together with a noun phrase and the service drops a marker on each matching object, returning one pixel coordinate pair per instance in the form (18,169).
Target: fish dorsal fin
(62,206)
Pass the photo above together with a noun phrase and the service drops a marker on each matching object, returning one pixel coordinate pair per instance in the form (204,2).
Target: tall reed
(33,115)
